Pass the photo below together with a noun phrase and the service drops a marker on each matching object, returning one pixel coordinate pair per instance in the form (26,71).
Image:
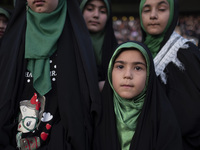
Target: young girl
(136,114)
(4,19)
(177,62)
(98,18)
(50,85)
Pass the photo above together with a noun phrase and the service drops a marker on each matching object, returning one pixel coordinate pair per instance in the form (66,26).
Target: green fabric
(97,38)
(153,42)
(127,111)
(97,42)
(4,12)
(42,33)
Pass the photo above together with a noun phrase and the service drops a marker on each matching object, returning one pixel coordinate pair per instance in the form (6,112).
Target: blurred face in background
(95,15)
(3,24)
(155,16)
(43,6)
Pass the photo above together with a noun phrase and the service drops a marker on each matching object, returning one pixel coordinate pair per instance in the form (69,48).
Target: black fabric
(77,82)
(183,88)
(157,127)
(108,47)
(51,103)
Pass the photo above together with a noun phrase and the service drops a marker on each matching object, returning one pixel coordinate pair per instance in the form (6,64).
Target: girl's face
(129,74)
(155,16)
(3,24)
(43,6)
(95,15)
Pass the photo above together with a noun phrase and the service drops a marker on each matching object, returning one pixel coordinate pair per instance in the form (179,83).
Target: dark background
(130,7)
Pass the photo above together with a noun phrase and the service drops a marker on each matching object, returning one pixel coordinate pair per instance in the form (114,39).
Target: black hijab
(108,47)
(157,128)
(78,93)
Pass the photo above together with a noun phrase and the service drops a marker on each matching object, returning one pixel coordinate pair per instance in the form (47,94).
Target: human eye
(138,68)
(146,9)
(103,11)
(119,66)
(162,9)
(89,8)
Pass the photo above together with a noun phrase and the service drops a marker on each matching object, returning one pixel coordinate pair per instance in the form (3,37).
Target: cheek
(165,21)
(115,80)
(143,83)
(144,21)
(52,6)
(86,15)
(31,6)
(104,20)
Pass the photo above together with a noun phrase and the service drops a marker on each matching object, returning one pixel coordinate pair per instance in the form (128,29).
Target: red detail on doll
(37,107)
(44,136)
(34,100)
(48,126)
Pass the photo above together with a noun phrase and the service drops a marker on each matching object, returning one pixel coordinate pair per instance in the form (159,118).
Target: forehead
(49,1)
(96,3)
(131,55)
(155,2)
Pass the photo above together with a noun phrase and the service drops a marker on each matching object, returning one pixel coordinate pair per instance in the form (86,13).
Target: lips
(153,24)
(127,85)
(94,22)
(38,1)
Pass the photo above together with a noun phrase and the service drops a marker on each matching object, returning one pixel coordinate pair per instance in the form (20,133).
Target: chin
(154,32)
(127,97)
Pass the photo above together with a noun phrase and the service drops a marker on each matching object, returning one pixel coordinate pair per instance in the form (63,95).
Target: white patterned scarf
(168,54)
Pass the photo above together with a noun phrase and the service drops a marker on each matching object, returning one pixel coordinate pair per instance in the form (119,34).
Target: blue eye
(28,123)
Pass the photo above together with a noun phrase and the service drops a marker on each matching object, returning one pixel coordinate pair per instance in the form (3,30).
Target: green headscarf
(4,12)
(42,33)
(127,111)
(97,38)
(153,42)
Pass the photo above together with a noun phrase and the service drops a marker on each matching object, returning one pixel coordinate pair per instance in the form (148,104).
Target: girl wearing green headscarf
(98,18)
(134,107)
(177,62)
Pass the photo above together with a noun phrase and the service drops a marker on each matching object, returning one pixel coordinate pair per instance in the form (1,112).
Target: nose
(128,74)
(96,13)
(153,14)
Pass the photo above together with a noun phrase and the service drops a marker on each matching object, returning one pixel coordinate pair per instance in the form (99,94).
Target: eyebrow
(135,63)
(162,2)
(95,6)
